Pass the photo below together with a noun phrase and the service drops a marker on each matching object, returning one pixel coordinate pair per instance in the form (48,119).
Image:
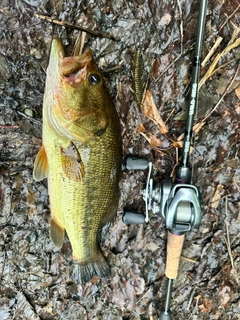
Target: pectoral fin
(72,163)
(40,169)
(56,233)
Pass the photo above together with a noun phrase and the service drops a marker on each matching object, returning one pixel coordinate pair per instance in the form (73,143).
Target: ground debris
(36,276)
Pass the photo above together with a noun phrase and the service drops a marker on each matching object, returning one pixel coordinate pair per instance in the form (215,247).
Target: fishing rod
(178,202)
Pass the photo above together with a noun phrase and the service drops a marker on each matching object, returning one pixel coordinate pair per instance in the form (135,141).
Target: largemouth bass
(80,156)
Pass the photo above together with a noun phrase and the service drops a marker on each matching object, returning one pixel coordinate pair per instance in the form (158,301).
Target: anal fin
(40,169)
(56,234)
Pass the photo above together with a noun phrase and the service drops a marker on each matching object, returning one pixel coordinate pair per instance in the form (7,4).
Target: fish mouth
(63,75)
(74,69)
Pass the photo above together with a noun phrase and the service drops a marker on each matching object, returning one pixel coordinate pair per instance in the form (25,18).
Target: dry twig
(227,240)
(3,265)
(73,26)
(150,311)
(142,297)
(229,17)
(14,126)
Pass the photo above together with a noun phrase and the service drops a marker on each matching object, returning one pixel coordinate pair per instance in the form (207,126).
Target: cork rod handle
(174,249)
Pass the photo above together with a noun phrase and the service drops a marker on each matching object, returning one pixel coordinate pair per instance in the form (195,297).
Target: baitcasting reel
(178,203)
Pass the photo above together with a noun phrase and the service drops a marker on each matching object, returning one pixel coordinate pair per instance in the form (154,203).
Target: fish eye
(95,79)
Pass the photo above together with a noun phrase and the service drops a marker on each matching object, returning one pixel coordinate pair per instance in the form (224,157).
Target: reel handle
(174,250)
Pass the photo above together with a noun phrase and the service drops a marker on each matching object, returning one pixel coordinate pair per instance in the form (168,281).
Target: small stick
(211,52)
(228,242)
(28,117)
(14,126)
(144,295)
(3,265)
(223,66)
(235,182)
(191,299)
(73,26)
(234,34)
(231,15)
(150,311)
(188,259)
(181,26)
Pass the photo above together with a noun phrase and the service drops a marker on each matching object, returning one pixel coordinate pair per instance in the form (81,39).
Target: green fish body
(80,156)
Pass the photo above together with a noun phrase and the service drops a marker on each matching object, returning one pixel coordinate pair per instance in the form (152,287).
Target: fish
(80,156)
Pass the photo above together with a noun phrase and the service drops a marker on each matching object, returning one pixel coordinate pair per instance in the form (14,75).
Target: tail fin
(84,272)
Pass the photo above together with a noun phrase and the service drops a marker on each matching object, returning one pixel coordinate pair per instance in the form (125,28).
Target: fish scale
(81,158)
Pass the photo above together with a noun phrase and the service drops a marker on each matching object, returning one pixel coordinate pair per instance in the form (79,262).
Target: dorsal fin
(40,169)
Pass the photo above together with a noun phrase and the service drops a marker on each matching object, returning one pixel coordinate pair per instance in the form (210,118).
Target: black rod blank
(194,83)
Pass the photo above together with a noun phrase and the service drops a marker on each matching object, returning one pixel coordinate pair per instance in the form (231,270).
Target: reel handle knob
(165,316)
(131,217)
(135,163)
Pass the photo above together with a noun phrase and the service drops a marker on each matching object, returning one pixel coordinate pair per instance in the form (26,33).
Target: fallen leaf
(150,110)
(237,90)
(177,144)
(216,198)
(206,306)
(152,139)
(31,202)
(165,20)
(140,128)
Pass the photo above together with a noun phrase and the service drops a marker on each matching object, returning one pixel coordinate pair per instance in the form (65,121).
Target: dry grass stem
(235,183)
(223,66)
(79,44)
(150,311)
(191,299)
(227,240)
(211,52)
(210,71)
(229,17)
(142,297)
(180,26)
(188,259)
